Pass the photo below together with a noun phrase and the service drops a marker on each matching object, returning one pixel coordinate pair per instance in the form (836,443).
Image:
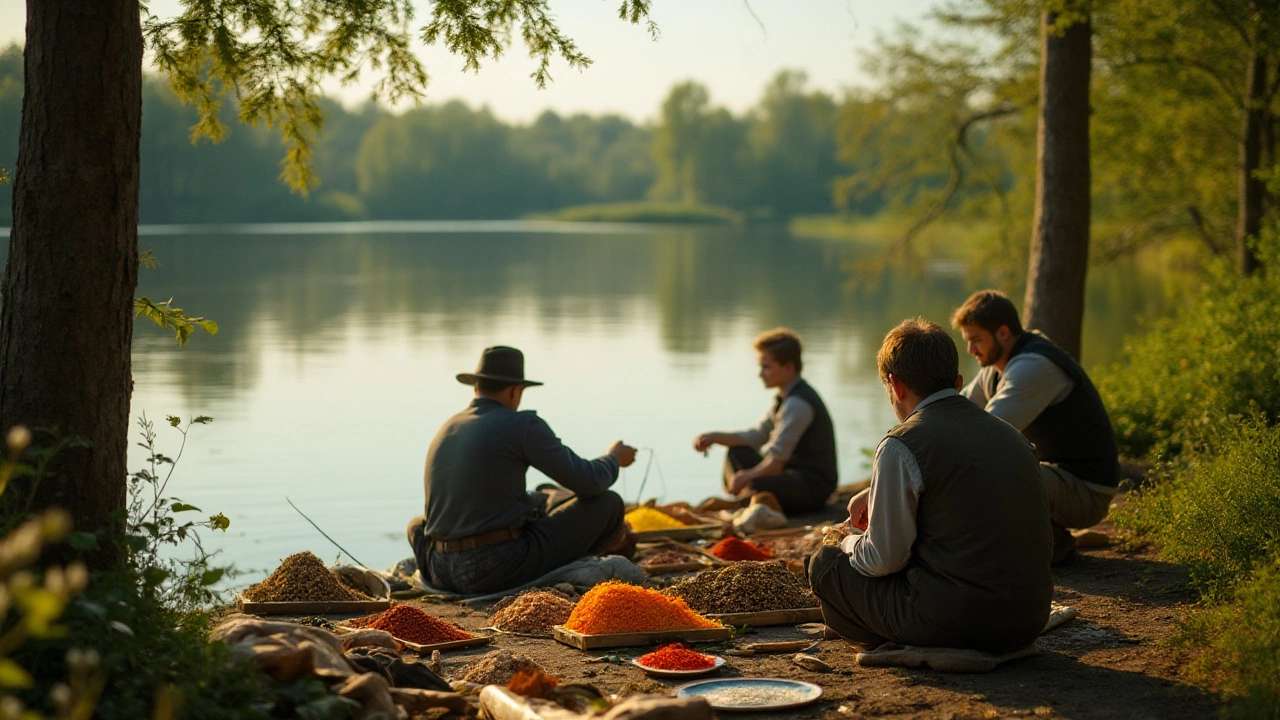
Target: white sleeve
(758,435)
(1030,383)
(896,486)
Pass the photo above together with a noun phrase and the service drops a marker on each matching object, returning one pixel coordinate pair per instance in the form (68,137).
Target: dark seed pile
(301,577)
(745,587)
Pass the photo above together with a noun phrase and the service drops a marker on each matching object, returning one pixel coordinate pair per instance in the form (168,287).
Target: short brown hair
(922,355)
(782,344)
(988,309)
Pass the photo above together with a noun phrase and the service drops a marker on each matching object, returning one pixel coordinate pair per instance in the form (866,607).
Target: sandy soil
(1115,661)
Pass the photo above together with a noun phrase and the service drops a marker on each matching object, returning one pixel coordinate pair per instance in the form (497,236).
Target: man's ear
(1004,334)
(959,382)
(899,388)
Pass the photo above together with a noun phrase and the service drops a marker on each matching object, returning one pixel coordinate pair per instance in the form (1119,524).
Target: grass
(645,212)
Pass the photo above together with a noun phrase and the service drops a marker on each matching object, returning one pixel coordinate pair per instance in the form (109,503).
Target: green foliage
(699,150)
(1215,356)
(1244,637)
(172,318)
(1218,508)
(274,55)
(647,212)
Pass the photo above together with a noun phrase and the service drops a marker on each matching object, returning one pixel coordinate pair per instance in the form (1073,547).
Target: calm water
(338,347)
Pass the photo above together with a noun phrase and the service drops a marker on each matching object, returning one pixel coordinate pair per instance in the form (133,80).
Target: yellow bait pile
(646,518)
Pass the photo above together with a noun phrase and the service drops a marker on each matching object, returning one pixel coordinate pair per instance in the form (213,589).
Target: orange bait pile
(677,657)
(406,622)
(532,683)
(731,548)
(616,607)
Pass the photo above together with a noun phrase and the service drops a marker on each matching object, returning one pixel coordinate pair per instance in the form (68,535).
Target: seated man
(1038,388)
(792,451)
(482,531)
(956,551)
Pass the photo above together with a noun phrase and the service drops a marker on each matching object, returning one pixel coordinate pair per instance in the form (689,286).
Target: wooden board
(590,642)
(426,649)
(675,567)
(688,532)
(770,617)
(323,607)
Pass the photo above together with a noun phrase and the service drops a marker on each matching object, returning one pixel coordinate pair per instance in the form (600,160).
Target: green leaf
(147,259)
(153,576)
(12,675)
(83,541)
(183,507)
(174,420)
(209,577)
(201,420)
(136,543)
(208,326)
(219,522)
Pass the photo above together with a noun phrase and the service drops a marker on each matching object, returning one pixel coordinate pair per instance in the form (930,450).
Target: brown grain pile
(794,548)
(301,577)
(745,587)
(497,668)
(533,613)
(667,557)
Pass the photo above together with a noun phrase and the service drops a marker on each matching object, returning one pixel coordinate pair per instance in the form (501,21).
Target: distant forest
(452,161)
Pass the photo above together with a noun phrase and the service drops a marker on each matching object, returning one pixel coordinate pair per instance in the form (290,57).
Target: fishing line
(325,534)
(653,456)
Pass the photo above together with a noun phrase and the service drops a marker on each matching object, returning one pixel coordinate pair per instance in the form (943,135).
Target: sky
(732,46)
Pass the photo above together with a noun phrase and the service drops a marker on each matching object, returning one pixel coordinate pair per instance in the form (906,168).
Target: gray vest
(980,562)
(1075,433)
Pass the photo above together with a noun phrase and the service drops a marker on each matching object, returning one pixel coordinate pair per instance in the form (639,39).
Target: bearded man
(1038,388)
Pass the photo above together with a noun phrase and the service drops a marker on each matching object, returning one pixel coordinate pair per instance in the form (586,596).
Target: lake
(339,344)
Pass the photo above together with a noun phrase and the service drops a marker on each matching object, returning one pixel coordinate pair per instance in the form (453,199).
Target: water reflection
(335,360)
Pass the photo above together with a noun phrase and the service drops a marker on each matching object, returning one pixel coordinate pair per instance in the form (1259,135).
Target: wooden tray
(323,607)
(589,642)
(770,617)
(420,648)
(688,532)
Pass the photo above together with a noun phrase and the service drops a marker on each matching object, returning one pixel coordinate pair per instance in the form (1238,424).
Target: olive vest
(1075,433)
(983,542)
(815,453)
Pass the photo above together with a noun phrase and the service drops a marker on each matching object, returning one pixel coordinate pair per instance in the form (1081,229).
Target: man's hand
(740,482)
(624,452)
(704,441)
(858,512)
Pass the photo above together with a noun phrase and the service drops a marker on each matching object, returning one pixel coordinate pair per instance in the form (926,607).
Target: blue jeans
(568,528)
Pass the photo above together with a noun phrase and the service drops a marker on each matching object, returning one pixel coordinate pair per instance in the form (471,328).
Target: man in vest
(482,532)
(1037,387)
(791,452)
(957,542)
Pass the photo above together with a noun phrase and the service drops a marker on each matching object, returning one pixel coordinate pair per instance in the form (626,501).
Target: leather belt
(470,543)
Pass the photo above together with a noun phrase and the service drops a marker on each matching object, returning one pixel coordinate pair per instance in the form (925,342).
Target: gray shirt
(474,478)
(896,487)
(1029,384)
(780,429)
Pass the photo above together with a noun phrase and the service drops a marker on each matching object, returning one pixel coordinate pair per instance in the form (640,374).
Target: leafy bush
(1218,508)
(1216,355)
(1245,639)
(647,212)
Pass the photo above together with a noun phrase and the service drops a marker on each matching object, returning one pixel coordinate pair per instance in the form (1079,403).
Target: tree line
(453,161)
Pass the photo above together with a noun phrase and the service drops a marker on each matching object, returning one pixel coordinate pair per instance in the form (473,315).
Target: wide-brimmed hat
(500,364)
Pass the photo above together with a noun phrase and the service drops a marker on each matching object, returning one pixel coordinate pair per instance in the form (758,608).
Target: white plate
(752,694)
(658,672)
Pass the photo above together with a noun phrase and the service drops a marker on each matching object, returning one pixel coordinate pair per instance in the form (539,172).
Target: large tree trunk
(1060,247)
(66,325)
(1251,189)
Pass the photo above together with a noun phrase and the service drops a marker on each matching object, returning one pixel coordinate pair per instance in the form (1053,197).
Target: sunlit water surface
(339,344)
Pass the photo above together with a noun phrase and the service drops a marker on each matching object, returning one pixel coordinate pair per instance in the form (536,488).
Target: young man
(482,531)
(791,453)
(1038,388)
(957,543)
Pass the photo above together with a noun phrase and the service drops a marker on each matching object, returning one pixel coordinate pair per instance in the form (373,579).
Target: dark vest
(980,562)
(1075,433)
(815,453)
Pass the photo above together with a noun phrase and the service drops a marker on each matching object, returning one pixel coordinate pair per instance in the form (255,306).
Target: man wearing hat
(482,531)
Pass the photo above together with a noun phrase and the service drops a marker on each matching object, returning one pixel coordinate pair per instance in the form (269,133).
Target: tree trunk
(1054,301)
(67,324)
(1252,190)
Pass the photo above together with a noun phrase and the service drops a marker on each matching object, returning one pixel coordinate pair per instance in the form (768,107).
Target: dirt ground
(1115,661)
